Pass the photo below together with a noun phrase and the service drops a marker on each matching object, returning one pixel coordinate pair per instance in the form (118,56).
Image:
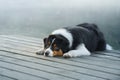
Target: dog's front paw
(41,52)
(67,55)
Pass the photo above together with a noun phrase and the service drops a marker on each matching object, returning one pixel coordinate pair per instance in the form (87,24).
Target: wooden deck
(18,61)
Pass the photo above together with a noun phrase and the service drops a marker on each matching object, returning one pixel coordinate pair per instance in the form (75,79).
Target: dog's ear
(44,40)
(52,36)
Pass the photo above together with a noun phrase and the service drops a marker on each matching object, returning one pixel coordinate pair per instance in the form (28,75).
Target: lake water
(37,18)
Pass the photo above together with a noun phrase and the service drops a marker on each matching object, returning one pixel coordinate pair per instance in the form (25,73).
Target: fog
(37,18)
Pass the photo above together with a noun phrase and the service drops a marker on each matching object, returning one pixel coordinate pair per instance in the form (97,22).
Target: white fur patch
(66,34)
(50,52)
(80,51)
(108,47)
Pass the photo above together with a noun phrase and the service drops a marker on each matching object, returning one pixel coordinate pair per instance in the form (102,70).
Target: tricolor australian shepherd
(74,41)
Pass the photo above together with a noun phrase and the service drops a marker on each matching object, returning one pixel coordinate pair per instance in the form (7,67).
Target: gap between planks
(26,43)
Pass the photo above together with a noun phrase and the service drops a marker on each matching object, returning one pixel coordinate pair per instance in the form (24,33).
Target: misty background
(38,18)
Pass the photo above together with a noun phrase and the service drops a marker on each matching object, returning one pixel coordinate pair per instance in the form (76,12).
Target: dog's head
(55,45)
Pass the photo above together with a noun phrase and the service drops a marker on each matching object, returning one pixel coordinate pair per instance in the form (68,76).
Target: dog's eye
(48,43)
(55,47)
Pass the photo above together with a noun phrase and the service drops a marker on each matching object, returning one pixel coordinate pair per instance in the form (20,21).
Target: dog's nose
(47,53)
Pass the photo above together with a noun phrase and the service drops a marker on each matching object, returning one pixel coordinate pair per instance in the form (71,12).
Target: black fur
(89,34)
(60,41)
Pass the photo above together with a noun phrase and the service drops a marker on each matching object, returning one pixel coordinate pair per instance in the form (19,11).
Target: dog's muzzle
(46,53)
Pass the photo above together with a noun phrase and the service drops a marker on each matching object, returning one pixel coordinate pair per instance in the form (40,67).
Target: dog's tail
(108,47)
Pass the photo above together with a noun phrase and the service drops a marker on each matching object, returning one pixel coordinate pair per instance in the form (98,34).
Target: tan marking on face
(48,43)
(58,53)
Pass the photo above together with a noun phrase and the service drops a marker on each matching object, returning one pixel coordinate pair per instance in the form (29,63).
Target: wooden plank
(18,75)
(108,63)
(21,46)
(13,37)
(13,43)
(107,69)
(32,50)
(38,40)
(3,77)
(22,42)
(7,40)
(72,68)
(26,49)
(98,62)
(31,71)
(21,38)
(49,69)
(109,53)
(98,66)
(18,39)
(113,51)
(107,57)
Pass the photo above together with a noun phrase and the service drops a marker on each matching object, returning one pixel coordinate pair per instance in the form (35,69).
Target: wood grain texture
(18,59)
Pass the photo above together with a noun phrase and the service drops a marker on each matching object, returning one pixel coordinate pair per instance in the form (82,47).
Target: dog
(80,40)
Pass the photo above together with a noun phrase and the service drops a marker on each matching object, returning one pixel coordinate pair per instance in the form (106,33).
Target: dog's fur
(74,41)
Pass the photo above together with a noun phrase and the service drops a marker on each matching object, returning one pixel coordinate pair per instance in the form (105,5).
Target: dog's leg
(40,52)
(80,51)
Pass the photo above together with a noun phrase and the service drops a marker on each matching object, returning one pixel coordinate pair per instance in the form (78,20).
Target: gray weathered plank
(37,42)
(33,50)
(19,51)
(51,70)
(13,43)
(31,71)
(98,73)
(26,41)
(98,62)
(3,77)
(103,60)
(18,75)
(109,53)
(22,38)
(58,65)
